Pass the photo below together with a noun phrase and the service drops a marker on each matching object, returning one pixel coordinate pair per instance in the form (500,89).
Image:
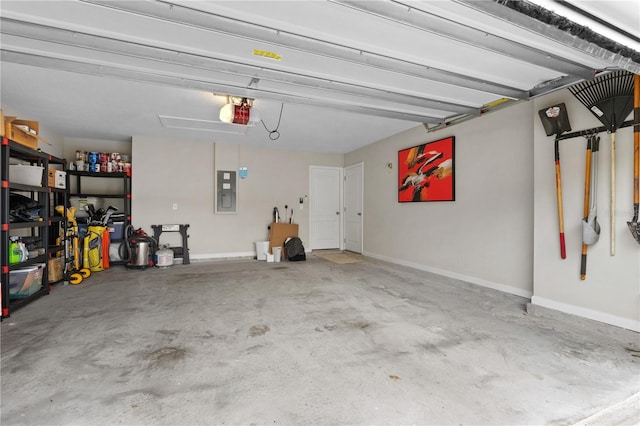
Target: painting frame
(426,172)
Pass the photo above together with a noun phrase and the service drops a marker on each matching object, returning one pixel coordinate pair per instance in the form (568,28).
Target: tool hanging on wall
(609,97)
(634,225)
(590,225)
(587,192)
(556,121)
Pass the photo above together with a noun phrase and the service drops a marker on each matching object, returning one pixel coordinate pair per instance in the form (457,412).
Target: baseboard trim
(603,317)
(214,256)
(467,278)
(236,255)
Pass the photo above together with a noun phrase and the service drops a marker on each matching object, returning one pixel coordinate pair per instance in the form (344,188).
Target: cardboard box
(57,179)
(24,132)
(55,269)
(279,233)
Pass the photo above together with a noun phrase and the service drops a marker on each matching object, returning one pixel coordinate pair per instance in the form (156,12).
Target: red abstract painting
(426,172)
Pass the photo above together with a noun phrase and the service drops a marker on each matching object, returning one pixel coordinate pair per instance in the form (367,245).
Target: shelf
(39,259)
(84,194)
(26,188)
(98,174)
(25,153)
(56,249)
(16,303)
(46,228)
(23,225)
(110,188)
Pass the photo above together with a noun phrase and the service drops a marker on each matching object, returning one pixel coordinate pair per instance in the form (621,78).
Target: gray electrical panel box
(226,191)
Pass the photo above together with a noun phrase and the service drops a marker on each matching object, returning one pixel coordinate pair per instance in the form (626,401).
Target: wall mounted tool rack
(178,252)
(592,131)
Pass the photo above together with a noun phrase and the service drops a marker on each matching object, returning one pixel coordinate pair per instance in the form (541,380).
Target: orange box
(20,135)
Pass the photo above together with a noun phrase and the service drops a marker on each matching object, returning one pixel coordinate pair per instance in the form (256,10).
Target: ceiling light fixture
(237,110)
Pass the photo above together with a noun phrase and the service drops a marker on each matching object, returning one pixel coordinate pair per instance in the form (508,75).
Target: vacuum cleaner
(138,249)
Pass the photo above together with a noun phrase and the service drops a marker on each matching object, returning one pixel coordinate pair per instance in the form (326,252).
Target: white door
(353,196)
(325,207)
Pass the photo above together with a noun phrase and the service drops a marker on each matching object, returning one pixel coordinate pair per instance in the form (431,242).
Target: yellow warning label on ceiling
(270,55)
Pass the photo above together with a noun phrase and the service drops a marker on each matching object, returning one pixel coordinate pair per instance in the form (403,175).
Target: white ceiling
(346,73)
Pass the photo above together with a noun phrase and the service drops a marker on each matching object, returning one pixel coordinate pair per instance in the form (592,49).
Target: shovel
(634,226)
(587,192)
(590,225)
(556,121)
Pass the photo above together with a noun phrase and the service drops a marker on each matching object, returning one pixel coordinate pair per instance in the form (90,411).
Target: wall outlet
(175,206)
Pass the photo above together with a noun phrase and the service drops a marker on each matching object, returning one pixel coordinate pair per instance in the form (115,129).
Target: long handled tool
(590,225)
(634,226)
(609,97)
(587,191)
(556,121)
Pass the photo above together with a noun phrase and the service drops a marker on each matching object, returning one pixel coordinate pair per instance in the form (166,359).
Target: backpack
(295,249)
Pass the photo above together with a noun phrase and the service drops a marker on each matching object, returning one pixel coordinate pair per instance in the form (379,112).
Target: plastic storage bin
(116,230)
(26,175)
(26,281)
(80,203)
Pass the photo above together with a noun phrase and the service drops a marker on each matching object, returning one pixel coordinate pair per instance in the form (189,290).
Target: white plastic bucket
(262,247)
(277,251)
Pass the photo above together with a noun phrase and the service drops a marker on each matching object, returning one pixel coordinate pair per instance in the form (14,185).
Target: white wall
(485,236)
(167,172)
(611,291)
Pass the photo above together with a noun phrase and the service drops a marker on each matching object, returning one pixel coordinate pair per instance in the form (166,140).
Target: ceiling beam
(188,15)
(148,76)
(413,16)
(161,56)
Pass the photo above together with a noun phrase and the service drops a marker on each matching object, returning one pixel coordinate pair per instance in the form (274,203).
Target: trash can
(277,251)
(262,247)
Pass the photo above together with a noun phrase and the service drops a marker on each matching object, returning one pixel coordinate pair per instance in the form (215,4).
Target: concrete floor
(248,342)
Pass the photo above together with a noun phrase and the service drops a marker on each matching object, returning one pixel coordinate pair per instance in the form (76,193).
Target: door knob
(337,212)
(359,214)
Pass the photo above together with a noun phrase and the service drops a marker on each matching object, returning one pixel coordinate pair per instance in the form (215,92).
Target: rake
(609,97)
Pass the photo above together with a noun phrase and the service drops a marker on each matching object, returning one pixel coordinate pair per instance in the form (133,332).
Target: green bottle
(14,251)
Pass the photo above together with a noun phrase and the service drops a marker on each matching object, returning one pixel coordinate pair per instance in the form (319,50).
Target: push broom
(634,226)
(609,97)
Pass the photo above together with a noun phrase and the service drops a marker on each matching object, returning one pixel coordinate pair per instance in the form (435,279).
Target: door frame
(344,192)
(340,188)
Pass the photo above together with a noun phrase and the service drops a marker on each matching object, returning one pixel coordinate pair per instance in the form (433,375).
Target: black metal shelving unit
(40,228)
(58,224)
(75,189)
